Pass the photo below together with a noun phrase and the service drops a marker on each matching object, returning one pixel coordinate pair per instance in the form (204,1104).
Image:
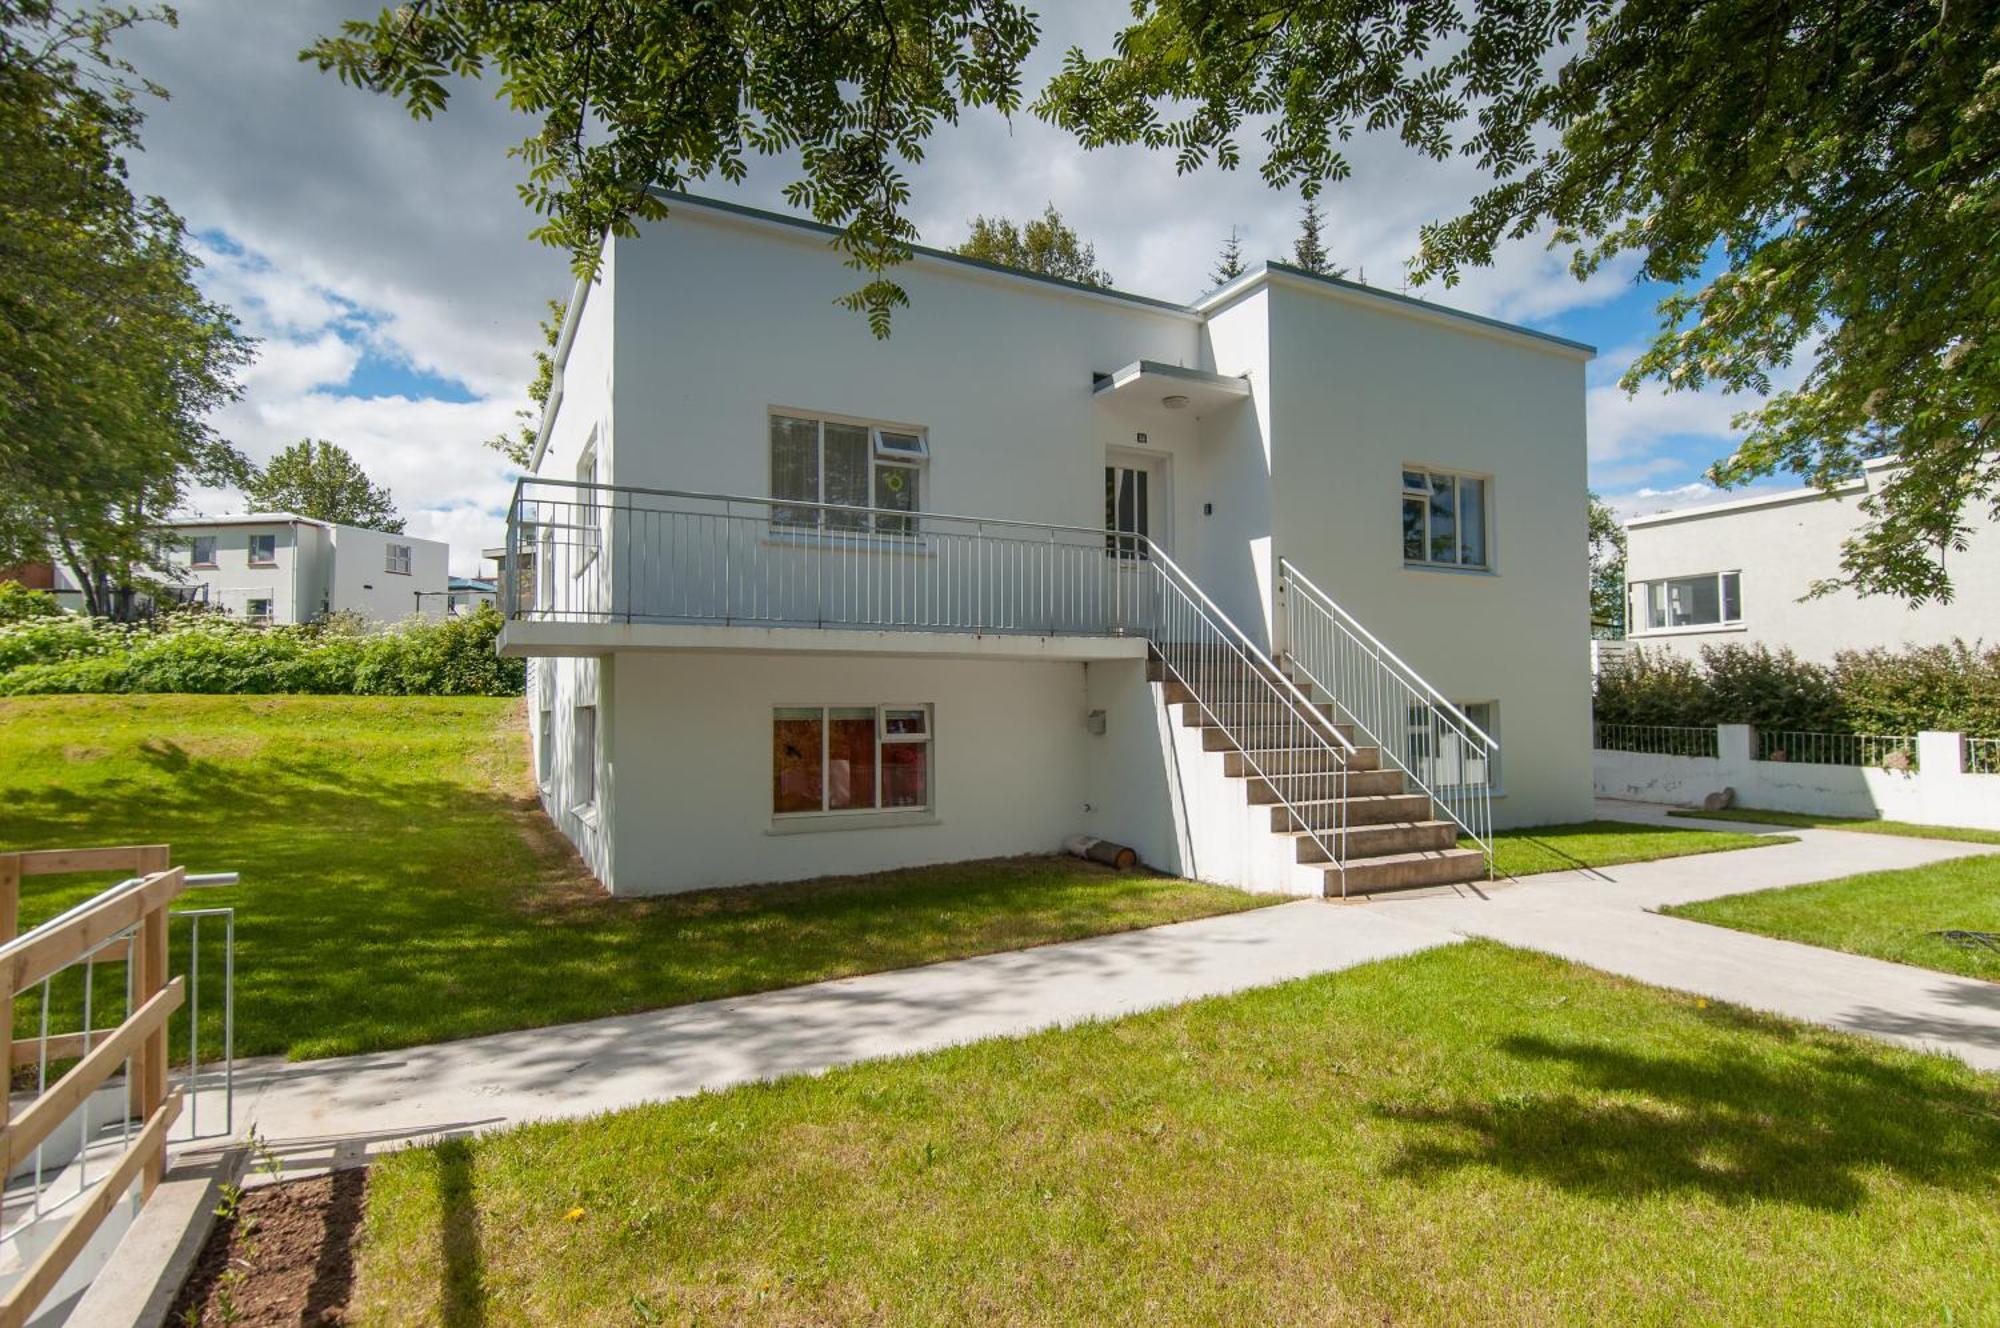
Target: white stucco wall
(1360,389)
(295,581)
(363,584)
(1781,545)
(689,773)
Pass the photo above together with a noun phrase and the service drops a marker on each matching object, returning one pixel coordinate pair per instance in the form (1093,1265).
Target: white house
(465,594)
(1741,572)
(279,567)
(1046,560)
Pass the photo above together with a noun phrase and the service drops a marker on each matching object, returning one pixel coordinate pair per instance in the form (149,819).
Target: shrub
(1951,687)
(17,602)
(207,653)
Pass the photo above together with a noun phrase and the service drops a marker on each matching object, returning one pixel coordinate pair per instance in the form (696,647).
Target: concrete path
(340,1112)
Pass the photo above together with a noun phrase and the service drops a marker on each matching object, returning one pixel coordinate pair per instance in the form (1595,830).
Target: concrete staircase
(1394,839)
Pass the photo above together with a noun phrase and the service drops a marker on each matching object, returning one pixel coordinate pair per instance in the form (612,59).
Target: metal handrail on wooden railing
(137,905)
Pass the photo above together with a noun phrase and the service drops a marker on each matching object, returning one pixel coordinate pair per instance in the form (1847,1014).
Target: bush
(207,653)
(17,602)
(1954,688)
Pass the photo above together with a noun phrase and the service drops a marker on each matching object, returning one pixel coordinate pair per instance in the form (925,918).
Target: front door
(1133,495)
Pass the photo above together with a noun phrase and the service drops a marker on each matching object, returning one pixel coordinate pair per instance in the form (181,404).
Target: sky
(385,268)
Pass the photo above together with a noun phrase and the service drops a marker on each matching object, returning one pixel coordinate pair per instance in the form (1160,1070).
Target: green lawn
(1866,826)
(1886,915)
(1547,848)
(399,886)
(1473,1135)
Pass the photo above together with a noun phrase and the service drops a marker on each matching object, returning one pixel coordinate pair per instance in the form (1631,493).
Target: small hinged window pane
(908,445)
(910,723)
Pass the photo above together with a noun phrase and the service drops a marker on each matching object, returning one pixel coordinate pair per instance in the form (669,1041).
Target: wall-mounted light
(1174,402)
(1139,438)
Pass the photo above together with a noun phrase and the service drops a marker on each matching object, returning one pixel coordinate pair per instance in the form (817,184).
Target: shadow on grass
(463,1292)
(1725,1124)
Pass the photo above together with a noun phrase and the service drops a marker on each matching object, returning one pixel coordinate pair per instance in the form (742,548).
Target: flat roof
(250,519)
(1779,498)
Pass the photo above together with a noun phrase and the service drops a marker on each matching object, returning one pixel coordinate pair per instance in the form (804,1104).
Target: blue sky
(385,264)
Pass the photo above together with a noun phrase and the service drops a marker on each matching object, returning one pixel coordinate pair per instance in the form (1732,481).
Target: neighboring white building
(464,594)
(279,567)
(762,652)
(1740,572)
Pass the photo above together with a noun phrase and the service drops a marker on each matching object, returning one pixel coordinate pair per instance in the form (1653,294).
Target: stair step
(1304,758)
(1258,737)
(1240,714)
(1380,840)
(1323,787)
(1405,871)
(1353,811)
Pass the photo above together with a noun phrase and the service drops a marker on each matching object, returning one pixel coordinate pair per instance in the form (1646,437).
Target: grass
(1860,825)
(1548,848)
(1884,915)
(1469,1135)
(400,887)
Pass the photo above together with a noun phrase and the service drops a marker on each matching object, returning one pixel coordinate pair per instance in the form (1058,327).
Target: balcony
(593,568)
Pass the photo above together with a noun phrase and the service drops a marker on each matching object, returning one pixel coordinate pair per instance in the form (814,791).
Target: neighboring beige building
(1740,572)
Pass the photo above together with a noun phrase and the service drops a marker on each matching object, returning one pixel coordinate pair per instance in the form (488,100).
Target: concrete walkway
(339,1112)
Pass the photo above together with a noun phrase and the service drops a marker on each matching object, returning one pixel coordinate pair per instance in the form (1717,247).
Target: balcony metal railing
(611,554)
(596,553)
(1429,739)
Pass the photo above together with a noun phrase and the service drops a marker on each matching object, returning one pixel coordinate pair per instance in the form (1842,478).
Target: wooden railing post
(10,925)
(149,1069)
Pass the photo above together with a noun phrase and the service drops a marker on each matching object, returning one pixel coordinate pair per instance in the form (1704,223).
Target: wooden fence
(140,905)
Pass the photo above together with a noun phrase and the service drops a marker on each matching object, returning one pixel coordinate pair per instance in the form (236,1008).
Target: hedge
(1954,688)
(211,654)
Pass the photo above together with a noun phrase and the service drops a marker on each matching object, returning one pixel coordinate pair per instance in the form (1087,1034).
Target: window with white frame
(263,550)
(1443,754)
(545,747)
(847,463)
(1713,599)
(257,610)
(203,553)
(850,759)
(583,754)
(588,536)
(1444,518)
(397,559)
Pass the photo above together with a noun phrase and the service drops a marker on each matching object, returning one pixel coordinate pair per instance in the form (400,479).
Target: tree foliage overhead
(111,361)
(1047,245)
(518,443)
(1607,571)
(634,97)
(323,481)
(1820,180)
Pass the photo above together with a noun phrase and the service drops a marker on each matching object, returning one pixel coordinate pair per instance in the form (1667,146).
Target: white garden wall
(1937,792)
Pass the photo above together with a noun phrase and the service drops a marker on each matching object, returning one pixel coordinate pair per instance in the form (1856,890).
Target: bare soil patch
(284,1257)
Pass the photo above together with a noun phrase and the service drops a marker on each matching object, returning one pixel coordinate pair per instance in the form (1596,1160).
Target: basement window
(850,759)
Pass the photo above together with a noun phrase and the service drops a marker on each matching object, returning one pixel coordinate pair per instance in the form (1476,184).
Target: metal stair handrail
(1410,722)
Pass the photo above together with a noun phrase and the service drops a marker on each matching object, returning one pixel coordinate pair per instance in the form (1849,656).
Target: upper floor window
(1713,599)
(263,550)
(204,551)
(1444,518)
(588,533)
(398,560)
(847,464)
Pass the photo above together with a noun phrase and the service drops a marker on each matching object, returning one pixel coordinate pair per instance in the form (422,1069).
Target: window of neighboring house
(203,554)
(1713,599)
(1441,754)
(588,535)
(397,559)
(850,759)
(1444,518)
(847,463)
(263,550)
(583,750)
(257,610)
